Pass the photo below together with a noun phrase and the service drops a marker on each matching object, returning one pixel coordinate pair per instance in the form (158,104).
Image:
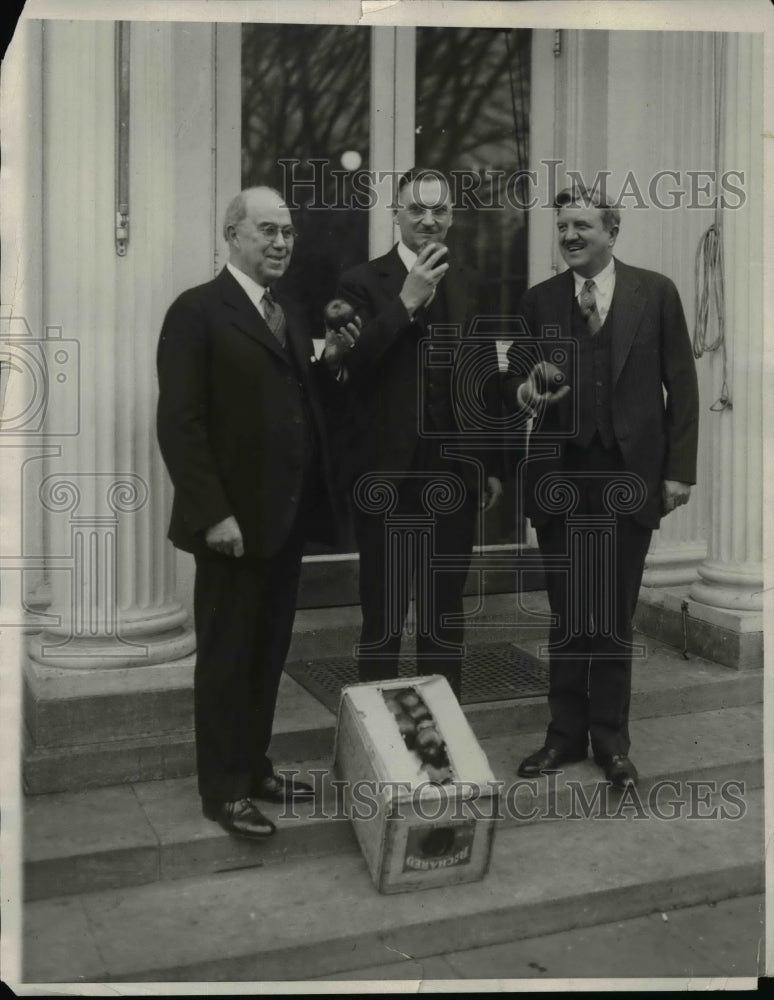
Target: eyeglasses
(417,211)
(270,231)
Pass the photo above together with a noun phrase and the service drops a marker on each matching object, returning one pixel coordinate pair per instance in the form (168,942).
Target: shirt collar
(408,257)
(254,290)
(603,280)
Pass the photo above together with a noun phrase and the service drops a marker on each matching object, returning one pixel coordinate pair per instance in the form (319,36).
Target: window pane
(306,97)
(472,122)
(472,115)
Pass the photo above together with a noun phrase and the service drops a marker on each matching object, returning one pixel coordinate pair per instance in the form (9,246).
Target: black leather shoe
(242,817)
(620,772)
(548,759)
(277,788)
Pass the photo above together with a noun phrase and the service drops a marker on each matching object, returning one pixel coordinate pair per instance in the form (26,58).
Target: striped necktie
(274,316)
(588,306)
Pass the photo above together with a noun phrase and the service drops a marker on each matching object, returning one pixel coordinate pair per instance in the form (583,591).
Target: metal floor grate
(490,672)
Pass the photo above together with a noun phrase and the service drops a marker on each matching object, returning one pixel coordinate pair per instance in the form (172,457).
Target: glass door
(472,122)
(305,131)
(323,110)
(306,123)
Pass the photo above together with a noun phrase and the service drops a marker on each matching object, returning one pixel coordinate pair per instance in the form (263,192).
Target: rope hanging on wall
(708,277)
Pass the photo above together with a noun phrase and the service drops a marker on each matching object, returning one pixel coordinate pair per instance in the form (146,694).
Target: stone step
(160,742)
(334,582)
(320,917)
(77,708)
(149,831)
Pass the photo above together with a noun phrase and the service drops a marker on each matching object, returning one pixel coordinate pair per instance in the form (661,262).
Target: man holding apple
(402,420)
(242,430)
(615,429)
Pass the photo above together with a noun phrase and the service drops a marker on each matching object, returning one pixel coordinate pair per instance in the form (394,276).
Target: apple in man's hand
(338,313)
(548,378)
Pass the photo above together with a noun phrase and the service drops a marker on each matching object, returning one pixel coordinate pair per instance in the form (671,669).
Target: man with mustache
(241,429)
(402,416)
(625,410)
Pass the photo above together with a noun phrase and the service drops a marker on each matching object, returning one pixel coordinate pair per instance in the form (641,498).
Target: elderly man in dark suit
(403,413)
(241,429)
(612,450)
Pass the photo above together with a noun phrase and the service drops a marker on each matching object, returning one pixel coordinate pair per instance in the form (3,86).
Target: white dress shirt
(255,292)
(408,257)
(604,286)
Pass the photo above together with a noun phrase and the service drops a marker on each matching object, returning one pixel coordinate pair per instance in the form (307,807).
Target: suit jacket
(651,353)
(231,418)
(383,366)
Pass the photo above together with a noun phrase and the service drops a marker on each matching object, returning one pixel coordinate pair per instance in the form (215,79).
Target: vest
(437,378)
(594,380)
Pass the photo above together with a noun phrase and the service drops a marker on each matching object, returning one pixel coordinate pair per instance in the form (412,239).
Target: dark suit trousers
(244,610)
(593,603)
(386,577)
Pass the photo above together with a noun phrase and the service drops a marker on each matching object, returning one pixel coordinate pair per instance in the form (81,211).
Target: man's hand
(544,387)
(423,277)
(225,537)
(338,343)
(674,494)
(492,493)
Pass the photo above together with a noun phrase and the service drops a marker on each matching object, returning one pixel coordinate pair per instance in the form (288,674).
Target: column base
(162,638)
(733,638)
(730,585)
(673,566)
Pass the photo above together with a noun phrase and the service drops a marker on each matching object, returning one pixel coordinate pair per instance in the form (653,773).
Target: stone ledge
(126,934)
(85,841)
(731,638)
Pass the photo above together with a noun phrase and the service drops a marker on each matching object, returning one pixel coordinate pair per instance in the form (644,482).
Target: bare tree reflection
(473,114)
(306,95)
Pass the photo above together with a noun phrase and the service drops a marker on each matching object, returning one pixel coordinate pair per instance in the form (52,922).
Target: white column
(108,494)
(684,88)
(732,575)
(23,374)
(661,101)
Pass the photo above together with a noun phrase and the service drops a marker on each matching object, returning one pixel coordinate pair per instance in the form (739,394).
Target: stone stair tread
(142,832)
(151,745)
(164,931)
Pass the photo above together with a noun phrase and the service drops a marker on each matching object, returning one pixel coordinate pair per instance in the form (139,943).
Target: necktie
(588,307)
(274,316)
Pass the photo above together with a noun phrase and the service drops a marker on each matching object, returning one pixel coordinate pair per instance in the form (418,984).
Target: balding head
(237,207)
(259,234)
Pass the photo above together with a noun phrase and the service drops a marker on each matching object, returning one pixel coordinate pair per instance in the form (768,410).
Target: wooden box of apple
(418,787)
